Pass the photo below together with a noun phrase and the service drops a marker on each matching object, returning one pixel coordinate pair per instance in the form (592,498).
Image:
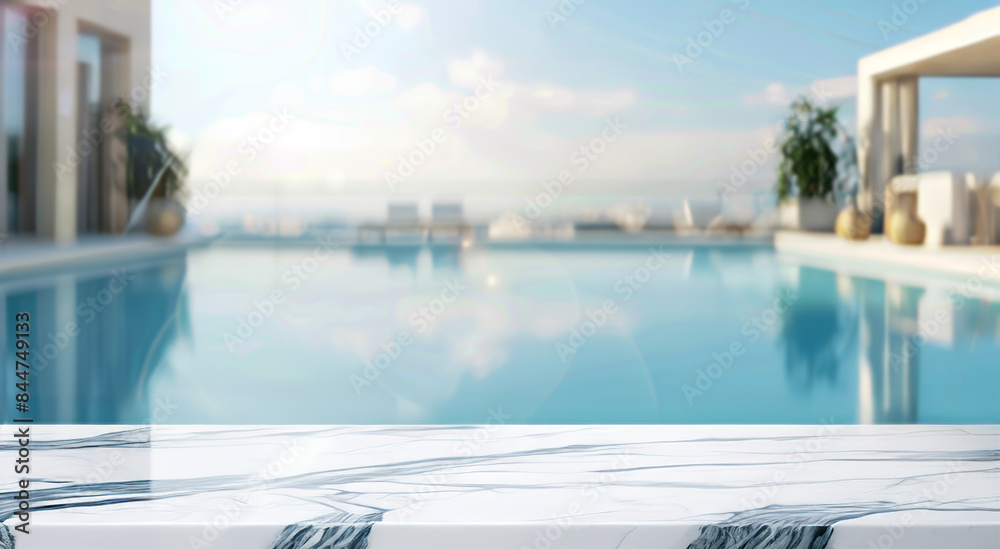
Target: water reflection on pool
(281,334)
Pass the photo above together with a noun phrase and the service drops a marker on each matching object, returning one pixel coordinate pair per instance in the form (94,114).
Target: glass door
(102,205)
(88,110)
(18,118)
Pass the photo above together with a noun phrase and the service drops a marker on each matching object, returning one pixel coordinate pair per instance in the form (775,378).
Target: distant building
(64,65)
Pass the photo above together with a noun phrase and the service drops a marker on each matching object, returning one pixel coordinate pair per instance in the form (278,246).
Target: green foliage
(808,159)
(148,152)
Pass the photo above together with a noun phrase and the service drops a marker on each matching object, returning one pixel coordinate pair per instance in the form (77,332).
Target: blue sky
(557,84)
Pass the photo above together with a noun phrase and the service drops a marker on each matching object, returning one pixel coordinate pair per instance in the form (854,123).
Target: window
(18,113)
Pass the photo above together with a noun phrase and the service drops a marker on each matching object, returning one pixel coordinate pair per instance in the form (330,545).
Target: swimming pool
(305,333)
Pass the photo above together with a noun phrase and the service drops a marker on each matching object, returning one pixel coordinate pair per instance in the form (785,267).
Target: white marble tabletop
(505,486)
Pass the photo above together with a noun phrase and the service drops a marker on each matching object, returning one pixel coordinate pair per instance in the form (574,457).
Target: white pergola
(888,95)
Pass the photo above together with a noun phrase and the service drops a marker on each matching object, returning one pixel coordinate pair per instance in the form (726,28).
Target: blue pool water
(283,334)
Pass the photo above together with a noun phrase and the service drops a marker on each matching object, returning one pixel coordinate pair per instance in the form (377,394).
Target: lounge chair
(403,223)
(447,222)
(943,204)
(982,210)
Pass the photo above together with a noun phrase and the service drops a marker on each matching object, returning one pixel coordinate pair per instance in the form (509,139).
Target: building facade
(66,67)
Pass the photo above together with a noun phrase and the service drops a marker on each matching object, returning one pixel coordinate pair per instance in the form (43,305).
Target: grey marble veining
(518,487)
(6,541)
(334,531)
(774,536)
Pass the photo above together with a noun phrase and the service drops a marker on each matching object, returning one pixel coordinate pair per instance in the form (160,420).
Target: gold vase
(852,224)
(164,216)
(905,228)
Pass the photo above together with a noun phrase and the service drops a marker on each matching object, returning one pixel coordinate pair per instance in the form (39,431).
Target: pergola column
(908,122)
(891,162)
(867,142)
(887,138)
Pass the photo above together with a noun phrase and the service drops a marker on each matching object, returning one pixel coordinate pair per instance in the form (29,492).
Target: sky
(343,100)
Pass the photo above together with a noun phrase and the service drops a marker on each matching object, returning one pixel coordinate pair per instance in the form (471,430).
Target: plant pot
(808,214)
(164,216)
(853,225)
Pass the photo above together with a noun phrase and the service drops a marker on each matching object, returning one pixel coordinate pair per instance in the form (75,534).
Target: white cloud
(360,82)
(941,95)
(595,103)
(958,125)
(424,99)
(427,104)
(603,103)
(829,89)
(840,88)
(405,14)
(287,94)
(467,72)
(510,159)
(501,146)
(774,94)
(408,15)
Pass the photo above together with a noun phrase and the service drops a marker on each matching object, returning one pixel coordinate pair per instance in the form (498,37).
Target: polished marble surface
(499,486)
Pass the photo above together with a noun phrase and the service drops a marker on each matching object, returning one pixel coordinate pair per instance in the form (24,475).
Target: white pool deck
(877,256)
(21,255)
(873,257)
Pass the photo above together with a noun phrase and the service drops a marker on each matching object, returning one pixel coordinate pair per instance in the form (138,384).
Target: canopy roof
(970,47)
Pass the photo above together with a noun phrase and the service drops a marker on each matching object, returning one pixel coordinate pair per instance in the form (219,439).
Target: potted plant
(155,174)
(808,170)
